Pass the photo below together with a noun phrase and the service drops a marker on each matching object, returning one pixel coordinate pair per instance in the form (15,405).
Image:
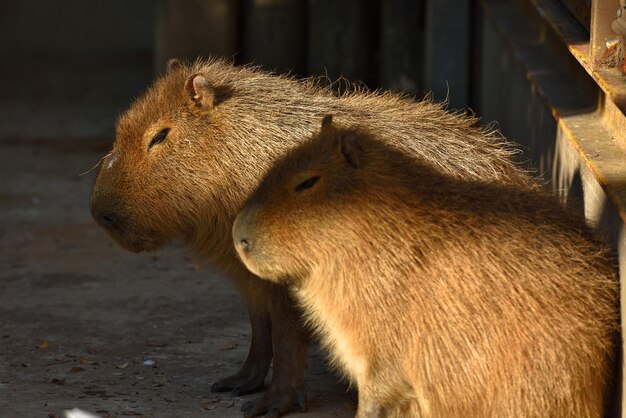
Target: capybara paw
(248,386)
(239,385)
(276,403)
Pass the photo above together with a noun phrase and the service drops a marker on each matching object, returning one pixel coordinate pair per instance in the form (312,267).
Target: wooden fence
(411,45)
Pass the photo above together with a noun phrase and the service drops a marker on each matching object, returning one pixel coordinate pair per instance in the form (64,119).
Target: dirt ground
(85,324)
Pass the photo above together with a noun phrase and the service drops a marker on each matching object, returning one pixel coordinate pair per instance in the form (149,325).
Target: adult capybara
(438,296)
(191,150)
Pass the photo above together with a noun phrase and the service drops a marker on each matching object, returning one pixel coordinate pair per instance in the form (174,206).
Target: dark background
(70,66)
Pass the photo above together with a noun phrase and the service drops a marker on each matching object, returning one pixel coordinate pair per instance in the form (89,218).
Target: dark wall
(417,46)
(43,27)
(377,42)
(70,66)
(86,60)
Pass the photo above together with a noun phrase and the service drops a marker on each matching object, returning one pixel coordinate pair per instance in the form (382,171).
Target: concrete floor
(80,317)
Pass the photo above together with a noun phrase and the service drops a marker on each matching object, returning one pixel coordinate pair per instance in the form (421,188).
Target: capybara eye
(159,137)
(307,184)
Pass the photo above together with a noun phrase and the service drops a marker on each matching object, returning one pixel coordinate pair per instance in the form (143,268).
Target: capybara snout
(251,247)
(244,241)
(108,211)
(107,207)
(133,212)
(105,211)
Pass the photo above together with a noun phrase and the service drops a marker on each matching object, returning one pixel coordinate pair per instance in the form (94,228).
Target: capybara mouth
(125,231)
(137,244)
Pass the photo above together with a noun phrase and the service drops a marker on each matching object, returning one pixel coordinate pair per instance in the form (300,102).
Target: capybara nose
(245,244)
(109,220)
(241,234)
(105,215)
(107,211)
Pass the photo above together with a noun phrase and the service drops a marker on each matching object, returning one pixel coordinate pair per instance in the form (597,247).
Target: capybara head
(279,232)
(164,169)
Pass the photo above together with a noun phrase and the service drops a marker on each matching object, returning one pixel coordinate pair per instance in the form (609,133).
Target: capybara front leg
(290,342)
(369,407)
(251,377)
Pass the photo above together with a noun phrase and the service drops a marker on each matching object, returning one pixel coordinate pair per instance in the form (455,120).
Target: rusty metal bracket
(597,135)
(608,31)
(619,27)
(610,80)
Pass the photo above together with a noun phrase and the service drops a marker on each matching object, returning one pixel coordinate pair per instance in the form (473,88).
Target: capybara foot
(276,403)
(240,383)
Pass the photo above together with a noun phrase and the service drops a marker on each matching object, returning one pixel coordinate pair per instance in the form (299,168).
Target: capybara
(191,150)
(438,296)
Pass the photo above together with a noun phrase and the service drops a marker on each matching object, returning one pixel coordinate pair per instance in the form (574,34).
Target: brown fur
(439,297)
(227,126)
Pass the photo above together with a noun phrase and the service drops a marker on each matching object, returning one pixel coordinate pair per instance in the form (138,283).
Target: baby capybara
(191,150)
(439,297)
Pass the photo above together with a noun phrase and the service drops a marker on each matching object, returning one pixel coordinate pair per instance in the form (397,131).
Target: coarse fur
(440,297)
(227,125)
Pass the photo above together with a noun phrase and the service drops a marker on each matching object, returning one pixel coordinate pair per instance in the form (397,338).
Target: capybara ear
(328,129)
(200,91)
(350,148)
(173,64)
(327,122)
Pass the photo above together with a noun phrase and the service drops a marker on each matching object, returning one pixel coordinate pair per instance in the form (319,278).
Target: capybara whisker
(96,164)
